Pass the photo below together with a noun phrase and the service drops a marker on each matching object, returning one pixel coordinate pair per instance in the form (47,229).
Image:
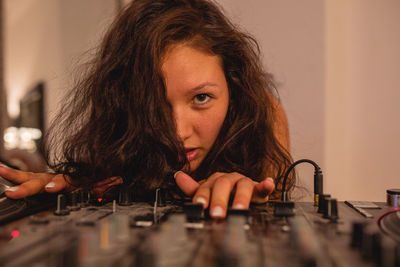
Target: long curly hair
(118,122)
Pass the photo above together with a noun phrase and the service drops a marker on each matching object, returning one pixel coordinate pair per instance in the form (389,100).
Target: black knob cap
(389,254)
(125,196)
(331,209)
(370,243)
(357,234)
(61,206)
(74,196)
(194,212)
(322,203)
(85,196)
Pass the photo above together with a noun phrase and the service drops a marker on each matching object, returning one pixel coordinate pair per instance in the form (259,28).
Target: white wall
(336,62)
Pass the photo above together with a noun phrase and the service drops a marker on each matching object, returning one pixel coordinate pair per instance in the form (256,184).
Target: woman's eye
(201,99)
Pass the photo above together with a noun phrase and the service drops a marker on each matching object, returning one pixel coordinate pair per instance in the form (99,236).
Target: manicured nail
(238,207)
(270,179)
(175,174)
(217,212)
(50,185)
(12,188)
(200,200)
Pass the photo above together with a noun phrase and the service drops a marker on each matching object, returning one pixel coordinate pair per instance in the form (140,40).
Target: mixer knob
(322,203)
(194,212)
(84,197)
(159,197)
(389,253)
(124,198)
(331,209)
(74,201)
(357,234)
(370,243)
(226,259)
(61,206)
(393,197)
(145,258)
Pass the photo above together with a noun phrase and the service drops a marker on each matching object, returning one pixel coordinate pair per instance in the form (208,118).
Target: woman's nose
(184,126)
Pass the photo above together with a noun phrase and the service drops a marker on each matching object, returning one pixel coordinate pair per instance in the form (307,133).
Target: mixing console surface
(166,234)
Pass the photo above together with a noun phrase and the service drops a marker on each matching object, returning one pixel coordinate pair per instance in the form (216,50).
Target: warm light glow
(21,138)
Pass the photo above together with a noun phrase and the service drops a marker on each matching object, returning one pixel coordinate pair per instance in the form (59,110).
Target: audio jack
(285,206)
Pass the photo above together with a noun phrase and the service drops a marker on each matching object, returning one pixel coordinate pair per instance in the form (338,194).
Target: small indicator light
(15,233)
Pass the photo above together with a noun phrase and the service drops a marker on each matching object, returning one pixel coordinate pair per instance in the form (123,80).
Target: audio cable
(318,180)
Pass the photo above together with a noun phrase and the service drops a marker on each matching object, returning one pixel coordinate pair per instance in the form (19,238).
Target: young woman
(175,88)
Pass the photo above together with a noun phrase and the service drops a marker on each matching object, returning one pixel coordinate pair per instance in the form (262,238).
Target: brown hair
(118,121)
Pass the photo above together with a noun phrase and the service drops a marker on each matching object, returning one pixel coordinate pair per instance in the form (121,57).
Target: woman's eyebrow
(200,87)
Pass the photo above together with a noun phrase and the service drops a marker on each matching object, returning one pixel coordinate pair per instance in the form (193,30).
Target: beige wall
(362,91)
(291,35)
(335,61)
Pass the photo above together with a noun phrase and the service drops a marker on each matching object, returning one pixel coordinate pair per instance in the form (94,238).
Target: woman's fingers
(262,190)
(28,183)
(219,186)
(243,195)
(42,182)
(186,183)
(216,190)
(202,195)
(20,177)
(26,189)
(220,196)
(58,183)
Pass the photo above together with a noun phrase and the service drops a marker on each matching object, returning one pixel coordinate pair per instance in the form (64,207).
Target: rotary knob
(62,209)
(124,198)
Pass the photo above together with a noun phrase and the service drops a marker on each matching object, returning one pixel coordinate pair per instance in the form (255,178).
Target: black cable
(317,177)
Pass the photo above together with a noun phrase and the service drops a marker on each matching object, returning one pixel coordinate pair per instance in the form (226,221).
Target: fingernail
(217,212)
(270,179)
(238,207)
(175,174)
(12,188)
(50,185)
(200,200)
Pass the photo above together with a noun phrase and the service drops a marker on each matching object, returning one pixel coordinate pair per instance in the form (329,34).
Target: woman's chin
(194,165)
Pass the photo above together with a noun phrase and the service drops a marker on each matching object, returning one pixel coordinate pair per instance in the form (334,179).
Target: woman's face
(199,97)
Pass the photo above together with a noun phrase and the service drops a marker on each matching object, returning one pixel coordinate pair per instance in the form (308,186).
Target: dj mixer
(77,229)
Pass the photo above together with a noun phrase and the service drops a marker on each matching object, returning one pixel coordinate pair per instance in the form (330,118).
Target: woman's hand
(216,190)
(29,183)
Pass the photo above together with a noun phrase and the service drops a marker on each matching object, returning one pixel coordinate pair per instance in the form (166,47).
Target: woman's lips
(191,153)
